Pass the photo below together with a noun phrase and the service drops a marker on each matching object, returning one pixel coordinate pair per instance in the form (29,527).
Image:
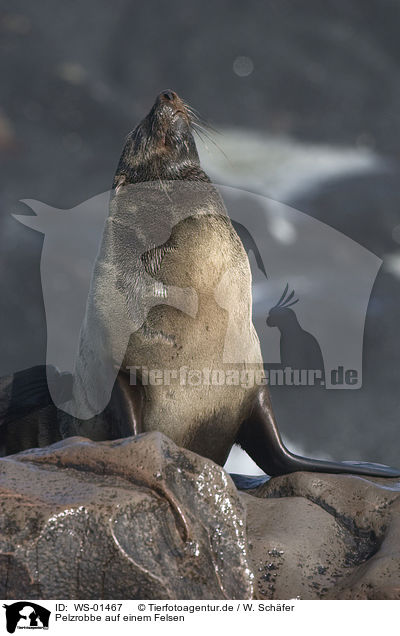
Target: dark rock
(132,518)
(315,536)
(143,518)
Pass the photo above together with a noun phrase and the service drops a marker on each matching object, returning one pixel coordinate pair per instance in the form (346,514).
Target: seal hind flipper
(28,415)
(260,438)
(24,391)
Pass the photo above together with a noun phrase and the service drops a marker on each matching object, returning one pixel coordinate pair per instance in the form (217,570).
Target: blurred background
(305,100)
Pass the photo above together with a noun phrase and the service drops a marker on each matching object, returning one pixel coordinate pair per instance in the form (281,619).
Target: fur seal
(171,293)
(195,281)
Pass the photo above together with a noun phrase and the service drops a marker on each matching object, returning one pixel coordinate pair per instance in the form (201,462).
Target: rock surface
(142,518)
(132,518)
(316,536)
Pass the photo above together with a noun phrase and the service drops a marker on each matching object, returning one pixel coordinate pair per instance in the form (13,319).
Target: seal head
(162,146)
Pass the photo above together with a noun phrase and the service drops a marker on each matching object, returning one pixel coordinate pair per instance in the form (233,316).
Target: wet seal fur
(203,253)
(182,302)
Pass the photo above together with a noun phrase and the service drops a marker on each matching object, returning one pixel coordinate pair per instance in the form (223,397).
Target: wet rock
(143,518)
(315,536)
(132,518)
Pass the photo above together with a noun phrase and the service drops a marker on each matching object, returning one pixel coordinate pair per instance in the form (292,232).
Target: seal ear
(120,181)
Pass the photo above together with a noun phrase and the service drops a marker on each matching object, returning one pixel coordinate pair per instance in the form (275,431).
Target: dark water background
(77,76)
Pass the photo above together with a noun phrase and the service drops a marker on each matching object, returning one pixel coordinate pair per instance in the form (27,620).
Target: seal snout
(168,95)
(169,101)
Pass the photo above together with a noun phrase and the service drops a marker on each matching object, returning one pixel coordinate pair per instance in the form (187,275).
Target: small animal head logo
(282,308)
(26,615)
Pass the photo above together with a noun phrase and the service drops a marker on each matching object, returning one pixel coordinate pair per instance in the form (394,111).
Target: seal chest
(189,399)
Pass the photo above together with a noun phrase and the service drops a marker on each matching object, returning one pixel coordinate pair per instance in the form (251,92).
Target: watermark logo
(245,378)
(299,349)
(26,615)
(311,288)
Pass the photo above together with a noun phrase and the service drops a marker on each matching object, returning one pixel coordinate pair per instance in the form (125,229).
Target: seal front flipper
(260,438)
(126,405)
(122,416)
